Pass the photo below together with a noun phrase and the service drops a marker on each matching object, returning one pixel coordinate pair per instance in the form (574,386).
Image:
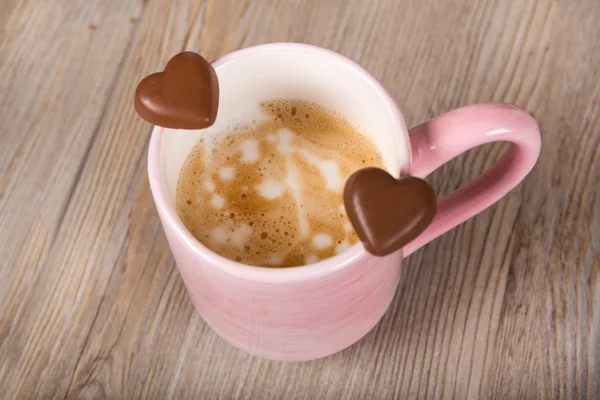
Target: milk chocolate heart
(388,213)
(184,96)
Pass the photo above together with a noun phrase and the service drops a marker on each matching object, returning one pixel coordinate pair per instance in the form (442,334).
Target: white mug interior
(294,71)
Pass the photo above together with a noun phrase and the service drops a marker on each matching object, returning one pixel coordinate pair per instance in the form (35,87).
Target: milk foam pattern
(269,193)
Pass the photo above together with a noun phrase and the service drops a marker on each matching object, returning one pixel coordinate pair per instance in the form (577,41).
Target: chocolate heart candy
(184,96)
(388,213)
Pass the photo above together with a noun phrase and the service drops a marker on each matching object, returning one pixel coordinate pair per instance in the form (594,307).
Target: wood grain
(91,306)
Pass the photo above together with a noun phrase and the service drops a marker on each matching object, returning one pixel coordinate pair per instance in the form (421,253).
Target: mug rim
(321,268)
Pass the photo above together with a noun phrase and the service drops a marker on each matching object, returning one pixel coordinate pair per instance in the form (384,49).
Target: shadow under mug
(307,312)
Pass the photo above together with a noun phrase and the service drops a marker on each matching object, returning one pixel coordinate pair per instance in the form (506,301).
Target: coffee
(269,193)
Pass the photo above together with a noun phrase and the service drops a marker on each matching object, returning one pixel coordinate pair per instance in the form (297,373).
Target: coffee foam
(269,193)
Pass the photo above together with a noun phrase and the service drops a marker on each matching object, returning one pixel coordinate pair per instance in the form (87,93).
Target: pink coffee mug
(312,311)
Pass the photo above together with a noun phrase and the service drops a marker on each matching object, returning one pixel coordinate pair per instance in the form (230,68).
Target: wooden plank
(504,306)
(58,64)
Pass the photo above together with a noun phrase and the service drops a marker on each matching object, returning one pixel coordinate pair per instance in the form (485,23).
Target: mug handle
(441,139)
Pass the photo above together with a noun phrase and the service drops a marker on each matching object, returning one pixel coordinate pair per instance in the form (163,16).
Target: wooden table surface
(506,305)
